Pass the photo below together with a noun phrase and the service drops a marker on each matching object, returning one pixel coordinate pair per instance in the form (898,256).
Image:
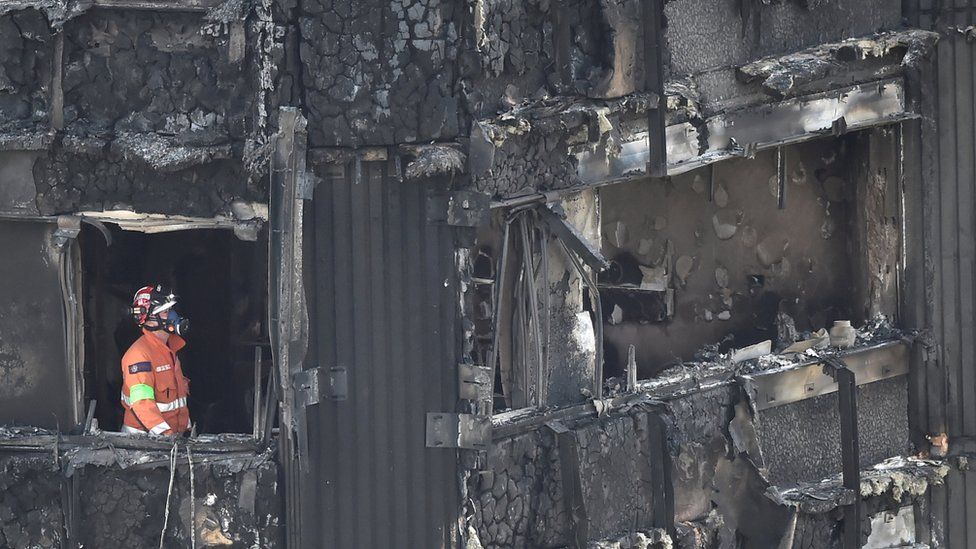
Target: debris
(820,340)
(939,445)
(751,352)
(785,329)
(435,160)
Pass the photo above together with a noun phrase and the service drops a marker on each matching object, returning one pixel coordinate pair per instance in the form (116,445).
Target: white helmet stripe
(164,307)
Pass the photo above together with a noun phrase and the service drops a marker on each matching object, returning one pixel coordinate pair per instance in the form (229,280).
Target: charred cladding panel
(384,315)
(34,366)
(144,72)
(25,69)
(379,72)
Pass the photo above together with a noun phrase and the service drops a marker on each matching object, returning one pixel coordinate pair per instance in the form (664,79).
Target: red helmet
(150,301)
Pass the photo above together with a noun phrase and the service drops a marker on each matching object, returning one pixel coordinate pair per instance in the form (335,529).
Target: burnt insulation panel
(801,441)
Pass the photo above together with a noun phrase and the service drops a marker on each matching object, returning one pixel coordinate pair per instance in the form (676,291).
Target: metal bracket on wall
(459,209)
(306,384)
(338,383)
(469,431)
(474,382)
(850,451)
(305,185)
(69,226)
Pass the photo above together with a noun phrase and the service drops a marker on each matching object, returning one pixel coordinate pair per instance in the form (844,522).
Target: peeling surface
(784,75)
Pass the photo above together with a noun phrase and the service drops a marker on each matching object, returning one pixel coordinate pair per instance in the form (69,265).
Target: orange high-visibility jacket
(154,390)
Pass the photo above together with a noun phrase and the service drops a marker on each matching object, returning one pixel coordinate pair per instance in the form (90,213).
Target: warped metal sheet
(741,132)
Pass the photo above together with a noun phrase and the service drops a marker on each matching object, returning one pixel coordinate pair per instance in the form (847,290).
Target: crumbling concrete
(26,66)
(794,73)
(30,507)
(169,74)
(379,72)
(99,495)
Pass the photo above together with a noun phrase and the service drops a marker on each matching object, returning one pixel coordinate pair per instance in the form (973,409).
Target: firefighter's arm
(139,381)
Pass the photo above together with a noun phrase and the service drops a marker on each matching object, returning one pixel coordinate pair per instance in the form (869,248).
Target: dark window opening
(221,282)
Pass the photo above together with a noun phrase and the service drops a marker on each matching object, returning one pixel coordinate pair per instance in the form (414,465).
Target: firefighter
(154,391)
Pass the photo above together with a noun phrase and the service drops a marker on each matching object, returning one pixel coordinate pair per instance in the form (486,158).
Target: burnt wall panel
(801,441)
(126,508)
(379,72)
(384,306)
(30,502)
(34,364)
(519,498)
(26,49)
(139,71)
(77,180)
(698,446)
(710,38)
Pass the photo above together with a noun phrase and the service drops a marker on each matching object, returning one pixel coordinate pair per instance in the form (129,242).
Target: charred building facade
(493,273)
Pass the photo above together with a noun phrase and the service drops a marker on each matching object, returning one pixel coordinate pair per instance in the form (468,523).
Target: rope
(193,502)
(169,492)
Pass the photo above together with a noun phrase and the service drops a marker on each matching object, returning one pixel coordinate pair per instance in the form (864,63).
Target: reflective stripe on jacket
(154,390)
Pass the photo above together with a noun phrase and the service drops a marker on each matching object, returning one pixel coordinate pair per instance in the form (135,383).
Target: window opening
(221,282)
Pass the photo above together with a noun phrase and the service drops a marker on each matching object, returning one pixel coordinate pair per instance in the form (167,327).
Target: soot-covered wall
(237,502)
(138,71)
(25,70)
(379,72)
(737,260)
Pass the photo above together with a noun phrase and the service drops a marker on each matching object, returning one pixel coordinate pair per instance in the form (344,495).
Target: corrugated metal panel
(945,287)
(383,302)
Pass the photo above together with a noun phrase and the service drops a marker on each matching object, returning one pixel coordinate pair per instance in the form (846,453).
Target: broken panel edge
(742,132)
(779,387)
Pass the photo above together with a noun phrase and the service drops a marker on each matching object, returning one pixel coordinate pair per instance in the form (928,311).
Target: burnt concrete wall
(233,508)
(379,72)
(709,38)
(520,502)
(151,72)
(236,505)
(801,441)
(163,112)
(30,502)
(25,70)
(723,493)
(74,179)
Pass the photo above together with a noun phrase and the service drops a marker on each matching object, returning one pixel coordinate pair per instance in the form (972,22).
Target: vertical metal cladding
(382,292)
(941,200)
